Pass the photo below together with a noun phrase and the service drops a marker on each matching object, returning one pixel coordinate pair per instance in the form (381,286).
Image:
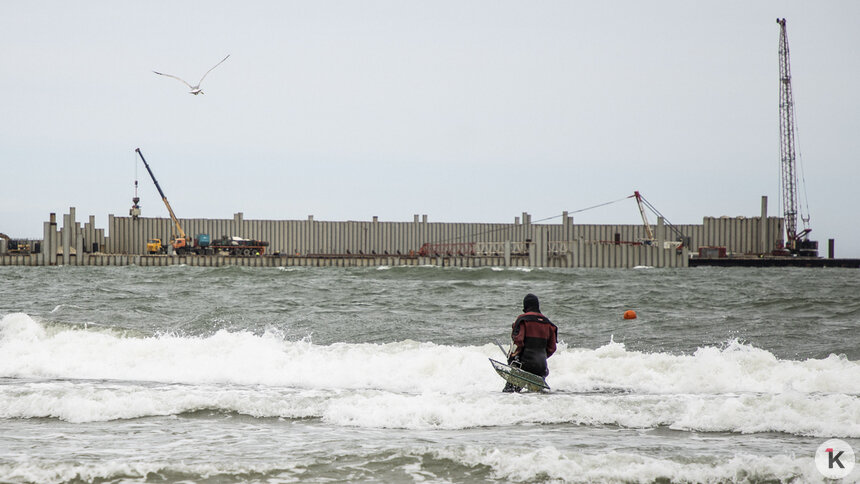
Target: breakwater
(577,254)
(366,243)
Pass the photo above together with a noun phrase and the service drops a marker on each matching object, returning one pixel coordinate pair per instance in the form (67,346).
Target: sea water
(186,374)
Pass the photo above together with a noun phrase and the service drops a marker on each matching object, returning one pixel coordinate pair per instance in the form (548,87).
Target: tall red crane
(795,242)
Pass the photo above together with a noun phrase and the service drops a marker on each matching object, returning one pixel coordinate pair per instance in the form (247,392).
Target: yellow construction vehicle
(16,246)
(154,246)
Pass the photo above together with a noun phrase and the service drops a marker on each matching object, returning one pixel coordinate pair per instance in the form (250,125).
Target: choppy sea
(222,375)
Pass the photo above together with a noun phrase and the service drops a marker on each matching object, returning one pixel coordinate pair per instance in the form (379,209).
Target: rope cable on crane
(536,221)
(805,220)
(657,212)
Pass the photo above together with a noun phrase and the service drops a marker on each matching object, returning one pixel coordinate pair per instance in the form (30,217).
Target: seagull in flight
(194,89)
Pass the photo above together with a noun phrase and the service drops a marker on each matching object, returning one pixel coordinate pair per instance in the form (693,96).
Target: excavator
(179,240)
(14,246)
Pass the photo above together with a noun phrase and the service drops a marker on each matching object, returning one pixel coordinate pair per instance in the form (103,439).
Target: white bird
(194,89)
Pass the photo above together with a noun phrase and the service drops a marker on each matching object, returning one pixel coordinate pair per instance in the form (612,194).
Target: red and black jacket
(535,338)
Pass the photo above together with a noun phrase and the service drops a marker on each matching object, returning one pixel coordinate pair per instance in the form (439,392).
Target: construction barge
(770,261)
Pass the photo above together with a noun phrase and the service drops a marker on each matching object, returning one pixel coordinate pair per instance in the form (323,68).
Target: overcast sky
(467,111)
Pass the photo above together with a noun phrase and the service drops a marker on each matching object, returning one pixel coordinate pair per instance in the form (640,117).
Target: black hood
(531,304)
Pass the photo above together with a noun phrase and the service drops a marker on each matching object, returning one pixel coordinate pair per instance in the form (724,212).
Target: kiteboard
(519,377)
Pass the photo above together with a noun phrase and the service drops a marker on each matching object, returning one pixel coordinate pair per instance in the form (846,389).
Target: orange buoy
(630,314)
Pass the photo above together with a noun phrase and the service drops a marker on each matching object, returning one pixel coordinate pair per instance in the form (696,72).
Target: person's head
(531,304)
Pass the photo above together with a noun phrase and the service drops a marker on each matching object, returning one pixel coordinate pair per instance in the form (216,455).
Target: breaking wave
(80,374)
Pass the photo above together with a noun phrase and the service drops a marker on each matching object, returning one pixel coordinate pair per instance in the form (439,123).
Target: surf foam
(95,374)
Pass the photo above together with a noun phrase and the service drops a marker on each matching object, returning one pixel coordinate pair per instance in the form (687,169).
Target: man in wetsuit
(534,339)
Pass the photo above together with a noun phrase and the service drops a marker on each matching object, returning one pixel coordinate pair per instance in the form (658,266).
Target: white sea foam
(82,375)
(504,464)
(123,471)
(98,401)
(736,368)
(548,463)
(88,401)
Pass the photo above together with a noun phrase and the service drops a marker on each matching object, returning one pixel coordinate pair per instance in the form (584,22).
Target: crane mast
(649,234)
(787,150)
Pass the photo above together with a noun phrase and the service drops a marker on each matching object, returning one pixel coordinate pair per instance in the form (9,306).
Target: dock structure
(311,242)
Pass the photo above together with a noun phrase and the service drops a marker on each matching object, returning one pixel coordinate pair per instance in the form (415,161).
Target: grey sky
(464,111)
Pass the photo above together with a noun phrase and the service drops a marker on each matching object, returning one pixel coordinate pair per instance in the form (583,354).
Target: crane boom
(681,240)
(649,234)
(787,146)
(182,239)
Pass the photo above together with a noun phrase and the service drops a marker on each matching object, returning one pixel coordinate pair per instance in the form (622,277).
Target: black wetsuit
(534,336)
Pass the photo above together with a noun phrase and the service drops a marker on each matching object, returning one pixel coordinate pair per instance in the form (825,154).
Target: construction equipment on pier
(134,211)
(202,244)
(179,240)
(680,241)
(447,249)
(649,234)
(155,246)
(17,246)
(229,246)
(796,243)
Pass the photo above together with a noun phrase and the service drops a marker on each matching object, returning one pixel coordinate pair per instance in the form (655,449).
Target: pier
(775,262)
(745,241)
